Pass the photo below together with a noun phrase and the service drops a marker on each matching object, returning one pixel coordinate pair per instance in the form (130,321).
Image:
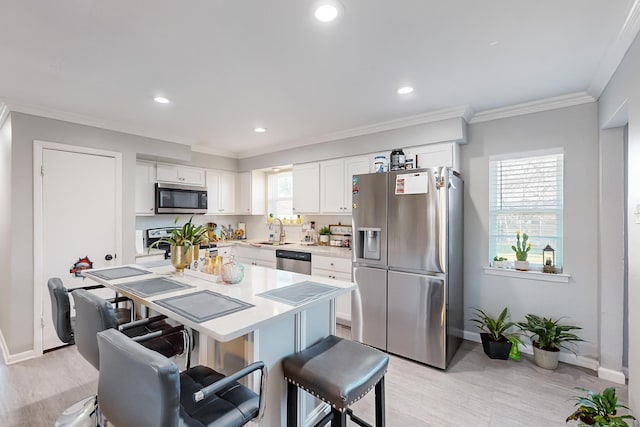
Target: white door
(78,220)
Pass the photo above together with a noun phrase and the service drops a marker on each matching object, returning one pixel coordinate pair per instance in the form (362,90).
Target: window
(280,194)
(526,195)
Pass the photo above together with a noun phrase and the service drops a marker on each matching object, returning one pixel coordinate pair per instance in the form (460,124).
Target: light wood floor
(475,391)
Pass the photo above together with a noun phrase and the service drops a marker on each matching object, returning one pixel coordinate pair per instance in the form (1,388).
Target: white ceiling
(232,65)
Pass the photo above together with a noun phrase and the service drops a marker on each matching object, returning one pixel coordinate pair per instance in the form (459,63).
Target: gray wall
(18,330)
(5,227)
(575,130)
(411,136)
(623,94)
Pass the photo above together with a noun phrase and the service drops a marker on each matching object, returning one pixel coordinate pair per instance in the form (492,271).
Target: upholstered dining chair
(63,322)
(139,387)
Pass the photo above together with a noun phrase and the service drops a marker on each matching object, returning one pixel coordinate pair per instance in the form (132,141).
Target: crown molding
(418,119)
(199,148)
(81,119)
(533,107)
(615,54)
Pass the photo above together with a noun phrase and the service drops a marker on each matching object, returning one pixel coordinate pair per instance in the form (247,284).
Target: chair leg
(380,415)
(292,405)
(339,418)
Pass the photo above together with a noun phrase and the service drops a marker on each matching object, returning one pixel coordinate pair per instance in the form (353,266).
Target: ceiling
(229,66)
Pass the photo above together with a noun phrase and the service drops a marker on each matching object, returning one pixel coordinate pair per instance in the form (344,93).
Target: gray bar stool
(339,372)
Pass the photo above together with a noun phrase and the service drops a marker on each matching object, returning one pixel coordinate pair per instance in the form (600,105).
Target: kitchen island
(268,330)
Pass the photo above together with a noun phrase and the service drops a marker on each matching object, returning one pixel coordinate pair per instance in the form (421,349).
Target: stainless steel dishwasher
(297,262)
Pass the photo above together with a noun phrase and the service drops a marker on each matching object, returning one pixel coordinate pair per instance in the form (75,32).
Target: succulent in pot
(522,250)
(495,333)
(548,336)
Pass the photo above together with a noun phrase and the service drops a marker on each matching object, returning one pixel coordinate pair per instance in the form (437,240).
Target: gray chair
(63,323)
(94,314)
(139,387)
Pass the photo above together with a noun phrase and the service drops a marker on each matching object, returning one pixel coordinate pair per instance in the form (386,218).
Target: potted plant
(324,233)
(495,333)
(548,336)
(521,250)
(183,240)
(500,262)
(599,409)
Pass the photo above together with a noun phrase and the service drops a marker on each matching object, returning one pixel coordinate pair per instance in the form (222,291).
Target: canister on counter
(397,159)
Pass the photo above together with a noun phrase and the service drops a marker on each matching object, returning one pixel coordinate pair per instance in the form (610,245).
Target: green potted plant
(599,409)
(500,262)
(324,233)
(495,333)
(521,250)
(184,241)
(548,336)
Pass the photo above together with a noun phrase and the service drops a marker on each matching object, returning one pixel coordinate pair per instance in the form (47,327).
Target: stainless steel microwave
(175,198)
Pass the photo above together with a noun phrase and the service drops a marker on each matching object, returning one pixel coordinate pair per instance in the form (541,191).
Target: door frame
(38,220)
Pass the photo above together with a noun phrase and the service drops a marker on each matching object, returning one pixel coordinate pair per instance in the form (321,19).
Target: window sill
(528,275)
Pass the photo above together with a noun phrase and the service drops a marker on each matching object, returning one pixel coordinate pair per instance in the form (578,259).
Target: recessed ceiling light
(326,12)
(405,90)
(259,130)
(161,100)
(493,43)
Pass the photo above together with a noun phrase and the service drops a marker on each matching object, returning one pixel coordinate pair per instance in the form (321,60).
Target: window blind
(526,195)
(280,194)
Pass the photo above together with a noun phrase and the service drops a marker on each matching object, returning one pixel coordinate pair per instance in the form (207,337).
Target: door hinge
(42,322)
(42,170)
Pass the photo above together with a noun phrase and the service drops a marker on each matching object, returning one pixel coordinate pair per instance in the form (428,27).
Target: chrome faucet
(281,235)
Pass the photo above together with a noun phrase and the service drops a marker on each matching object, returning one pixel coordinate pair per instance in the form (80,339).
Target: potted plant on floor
(495,333)
(599,409)
(521,250)
(184,241)
(548,336)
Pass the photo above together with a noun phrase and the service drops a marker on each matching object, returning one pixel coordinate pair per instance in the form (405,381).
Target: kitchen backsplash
(256,225)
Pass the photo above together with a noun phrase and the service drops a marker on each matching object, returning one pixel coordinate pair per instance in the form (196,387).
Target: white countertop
(256,280)
(332,251)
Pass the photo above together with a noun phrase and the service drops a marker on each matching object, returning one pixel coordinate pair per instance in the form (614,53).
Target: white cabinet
(433,155)
(179,174)
(339,269)
(256,256)
(306,188)
(221,190)
(336,184)
(251,197)
(145,189)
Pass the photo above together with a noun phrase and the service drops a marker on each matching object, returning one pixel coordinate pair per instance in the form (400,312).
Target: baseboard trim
(10,359)
(570,358)
(617,377)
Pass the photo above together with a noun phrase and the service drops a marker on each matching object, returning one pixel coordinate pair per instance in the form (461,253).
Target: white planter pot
(521,265)
(324,239)
(501,264)
(545,359)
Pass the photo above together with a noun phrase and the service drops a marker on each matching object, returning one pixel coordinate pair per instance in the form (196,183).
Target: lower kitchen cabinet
(255,256)
(339,269)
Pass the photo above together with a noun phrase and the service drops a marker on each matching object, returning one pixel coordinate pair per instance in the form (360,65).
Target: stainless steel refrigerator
(407,259)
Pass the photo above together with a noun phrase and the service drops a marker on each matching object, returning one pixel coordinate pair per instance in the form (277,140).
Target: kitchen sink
(275,243)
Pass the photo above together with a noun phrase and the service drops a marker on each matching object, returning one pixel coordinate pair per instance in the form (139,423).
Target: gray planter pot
(545,359)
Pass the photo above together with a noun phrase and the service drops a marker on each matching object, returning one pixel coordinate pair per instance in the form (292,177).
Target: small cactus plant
(521,249)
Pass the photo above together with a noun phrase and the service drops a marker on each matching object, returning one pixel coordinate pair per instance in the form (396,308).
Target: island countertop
(256,281)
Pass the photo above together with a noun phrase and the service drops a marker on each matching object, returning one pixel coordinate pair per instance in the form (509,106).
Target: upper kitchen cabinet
(433,155)
(336,184)
(306,188)
(221,188)
(180,174)
(251,194)
(145,191)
